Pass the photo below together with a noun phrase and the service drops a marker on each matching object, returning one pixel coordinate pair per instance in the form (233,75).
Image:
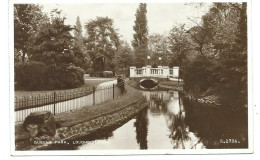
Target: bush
(74,77)
(90,71)
(196,75)
(30,75)
(63,77)
(38,76)
(108,74)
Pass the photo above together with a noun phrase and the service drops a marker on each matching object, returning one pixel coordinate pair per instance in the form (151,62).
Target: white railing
(156,72)
(161,72)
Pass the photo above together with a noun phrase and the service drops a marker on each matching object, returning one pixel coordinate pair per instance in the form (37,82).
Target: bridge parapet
(160,72)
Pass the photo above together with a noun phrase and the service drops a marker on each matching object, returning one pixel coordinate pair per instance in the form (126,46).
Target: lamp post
(148,58)
(160,59)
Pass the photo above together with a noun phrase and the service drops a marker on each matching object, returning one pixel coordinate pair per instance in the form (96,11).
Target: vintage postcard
(150,77)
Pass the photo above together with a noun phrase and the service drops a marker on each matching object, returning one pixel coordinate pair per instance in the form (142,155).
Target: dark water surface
(169,122)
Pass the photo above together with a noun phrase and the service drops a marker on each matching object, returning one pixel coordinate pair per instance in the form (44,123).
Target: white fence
(58,102)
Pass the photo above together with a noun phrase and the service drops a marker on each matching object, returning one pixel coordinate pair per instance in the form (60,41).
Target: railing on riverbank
(58,102)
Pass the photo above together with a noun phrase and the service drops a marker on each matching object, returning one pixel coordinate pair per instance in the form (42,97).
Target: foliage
(180,44)
(28,19)
(90,71)
(140,42)
(224,50)
(63,77)
(102,43)
(158,46)
(108,74)
(81,57)
(196,75)
(73,77)
(53,44)
(123,57)
(78,32)
(30,75)
(34,75)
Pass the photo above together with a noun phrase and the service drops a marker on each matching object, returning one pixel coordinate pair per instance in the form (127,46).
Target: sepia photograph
(102,78)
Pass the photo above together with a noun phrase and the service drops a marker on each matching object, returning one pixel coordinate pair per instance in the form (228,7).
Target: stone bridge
(154,75)
(160,72)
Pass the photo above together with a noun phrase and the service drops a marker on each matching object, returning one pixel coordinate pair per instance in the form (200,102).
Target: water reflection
(141,125)
(171,122)
(170,105)
(217,128)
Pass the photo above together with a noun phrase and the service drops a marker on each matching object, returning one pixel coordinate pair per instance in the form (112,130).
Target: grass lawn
(89,82)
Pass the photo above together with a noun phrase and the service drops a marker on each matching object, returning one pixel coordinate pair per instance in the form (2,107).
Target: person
(120,83)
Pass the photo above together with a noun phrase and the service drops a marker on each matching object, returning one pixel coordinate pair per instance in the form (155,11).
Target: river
(170,122)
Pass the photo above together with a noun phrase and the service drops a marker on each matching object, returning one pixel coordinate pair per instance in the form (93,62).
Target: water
(169,122)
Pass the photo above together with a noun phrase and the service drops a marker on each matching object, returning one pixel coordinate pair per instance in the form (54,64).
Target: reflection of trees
(212,125)
(157,104)
(179,132)
(141,125)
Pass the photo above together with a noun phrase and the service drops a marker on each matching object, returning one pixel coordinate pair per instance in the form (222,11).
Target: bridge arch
(148,83)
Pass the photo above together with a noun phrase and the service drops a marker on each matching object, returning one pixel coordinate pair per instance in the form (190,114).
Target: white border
(130,152)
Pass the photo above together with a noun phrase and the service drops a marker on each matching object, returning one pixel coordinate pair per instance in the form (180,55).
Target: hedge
(39,76)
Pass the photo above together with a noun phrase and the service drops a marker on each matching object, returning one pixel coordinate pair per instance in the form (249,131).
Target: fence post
(54,97)
(113,91)
(93,95)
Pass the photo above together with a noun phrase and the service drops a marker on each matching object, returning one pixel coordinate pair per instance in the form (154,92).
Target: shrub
(30,75)
(38,76)
(63,77)
(90,71)
(108,74)
(74,77)
(196,75)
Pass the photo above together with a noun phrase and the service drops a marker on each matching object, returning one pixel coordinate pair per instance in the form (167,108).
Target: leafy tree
(225,51)
(124,57)
(102,43)
(140,42)
(81,57)
(78,32)
(158,46)
(180,45)
(28,19)
(53,44)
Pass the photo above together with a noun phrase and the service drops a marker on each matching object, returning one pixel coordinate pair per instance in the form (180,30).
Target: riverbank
(86,120)
(213,100)
(172,85)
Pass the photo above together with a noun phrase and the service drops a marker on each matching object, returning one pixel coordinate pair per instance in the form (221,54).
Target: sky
(161,16)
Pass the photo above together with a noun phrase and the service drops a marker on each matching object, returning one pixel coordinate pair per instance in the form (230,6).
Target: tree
(28,19)
(80,55)
(180,45)
(53,44)
(102,43)
(158,46)
(124,57)
(222,40)
(140,42)
(78,31)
